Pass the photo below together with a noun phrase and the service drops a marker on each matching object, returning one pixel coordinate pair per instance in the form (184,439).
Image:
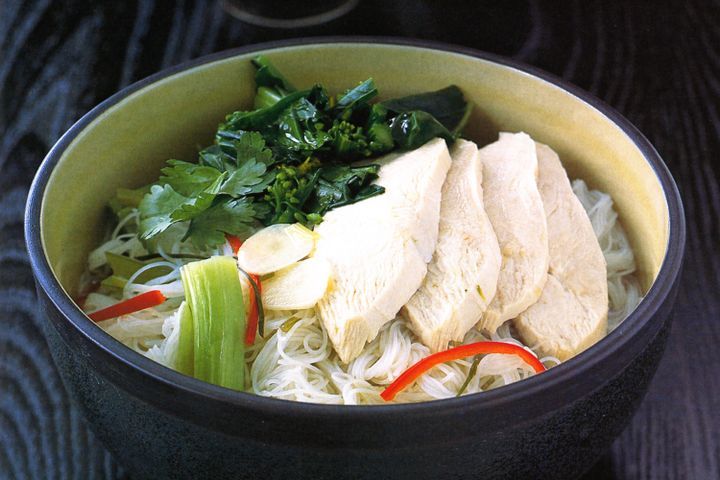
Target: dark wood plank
(656,62)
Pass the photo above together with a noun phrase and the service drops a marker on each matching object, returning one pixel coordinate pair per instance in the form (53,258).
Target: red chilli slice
(145,300)
(253,311)
(414,372)
(253,317)
(235,243)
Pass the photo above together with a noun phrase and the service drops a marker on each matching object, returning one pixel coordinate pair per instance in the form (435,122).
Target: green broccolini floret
(349,140)
(291,189)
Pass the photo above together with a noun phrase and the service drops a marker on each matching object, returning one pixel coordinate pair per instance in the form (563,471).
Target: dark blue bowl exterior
(229,442)
(160,424)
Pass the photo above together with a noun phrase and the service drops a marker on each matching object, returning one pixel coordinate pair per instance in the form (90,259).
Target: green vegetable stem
(212,323)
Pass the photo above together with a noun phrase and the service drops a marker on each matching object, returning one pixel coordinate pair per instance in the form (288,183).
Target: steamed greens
(290,159)
(212,323)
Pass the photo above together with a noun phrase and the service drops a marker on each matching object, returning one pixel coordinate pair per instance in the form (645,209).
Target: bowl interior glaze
(127,144)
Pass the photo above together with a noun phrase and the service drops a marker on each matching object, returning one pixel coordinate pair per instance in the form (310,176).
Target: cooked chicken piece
(463,273)
(513,204)
(379,248)
(572,311)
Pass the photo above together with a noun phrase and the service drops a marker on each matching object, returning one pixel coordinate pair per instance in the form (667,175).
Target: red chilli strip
(235,243)
(145,300)
(414,372)
(252,322)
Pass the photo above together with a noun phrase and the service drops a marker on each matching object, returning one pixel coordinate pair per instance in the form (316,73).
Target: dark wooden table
(656,62)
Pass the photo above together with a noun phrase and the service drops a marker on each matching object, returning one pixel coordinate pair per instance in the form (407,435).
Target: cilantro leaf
(251,146)
(188,178)
(164,206)
(198,202)
(252,162)
(234,217)
(249,178)
(214,156)
(156,209)
(203,193)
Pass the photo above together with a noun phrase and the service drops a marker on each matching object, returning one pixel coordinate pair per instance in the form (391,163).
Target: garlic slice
(275,247)
(299,286)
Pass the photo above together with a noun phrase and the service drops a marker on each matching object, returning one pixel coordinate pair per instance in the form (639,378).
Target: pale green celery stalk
(214,296)
(113,281)
(185,357)
(125,267)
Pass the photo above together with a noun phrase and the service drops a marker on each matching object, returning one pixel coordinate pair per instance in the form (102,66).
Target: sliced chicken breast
(513,204)
(571,313)
(463,273)
(379,248)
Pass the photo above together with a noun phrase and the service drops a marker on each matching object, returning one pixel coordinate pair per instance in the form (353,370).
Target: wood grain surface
(657,62)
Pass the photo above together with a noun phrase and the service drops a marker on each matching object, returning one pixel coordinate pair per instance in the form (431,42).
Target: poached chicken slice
(379,248)
(571,313)
(463,273)
(515,209)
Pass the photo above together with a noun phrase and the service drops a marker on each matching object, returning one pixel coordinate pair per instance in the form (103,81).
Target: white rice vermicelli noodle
(623,287)
(295,360)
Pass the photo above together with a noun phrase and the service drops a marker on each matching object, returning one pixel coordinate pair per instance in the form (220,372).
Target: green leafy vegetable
(216,317)
(250,168)
(411,130)
(212,197)
(267,75)
(448,106)
(198,201)
(356,96)
(342,185)
(350,141)
(300,128)
(215,155)
(188,178)
(288,160)
(261,118)
(251,146)
(233,217)
(125,267)
(156,210)
(287,196)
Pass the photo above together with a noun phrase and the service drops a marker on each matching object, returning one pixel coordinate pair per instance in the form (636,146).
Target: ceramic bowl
(161,424)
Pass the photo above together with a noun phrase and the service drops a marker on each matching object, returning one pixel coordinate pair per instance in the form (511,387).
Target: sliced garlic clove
(299,286)
(275,247)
